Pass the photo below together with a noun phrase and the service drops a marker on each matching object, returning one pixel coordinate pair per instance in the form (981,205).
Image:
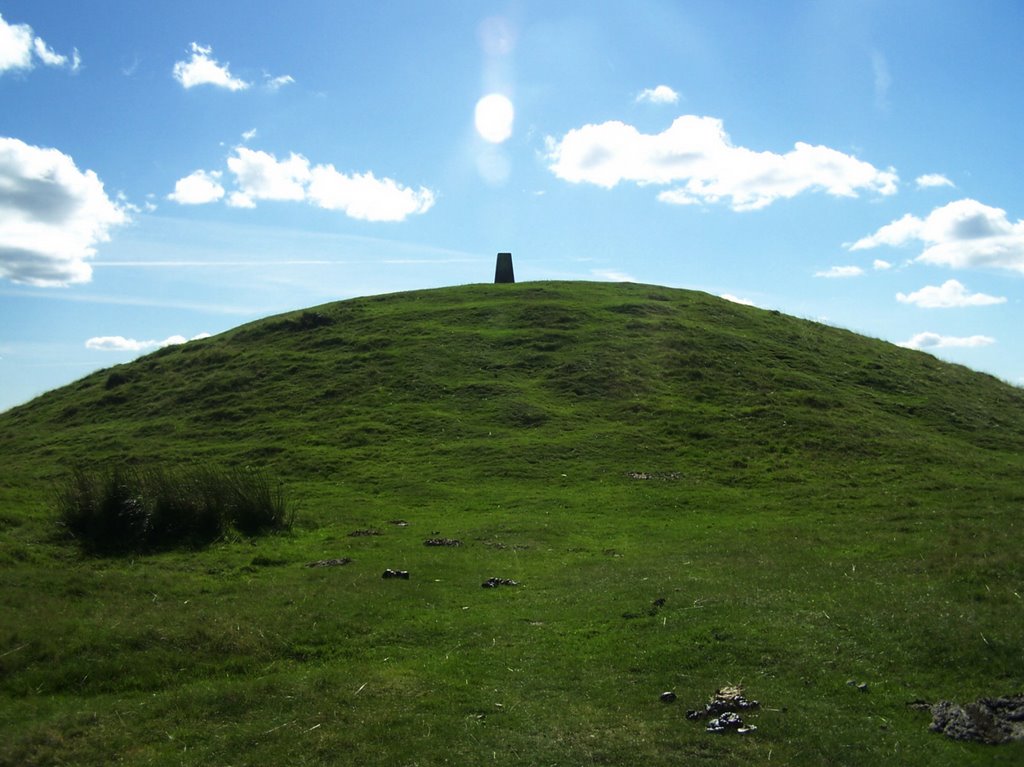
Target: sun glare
(494,117)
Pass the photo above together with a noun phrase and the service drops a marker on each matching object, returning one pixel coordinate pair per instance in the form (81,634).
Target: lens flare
(494,117)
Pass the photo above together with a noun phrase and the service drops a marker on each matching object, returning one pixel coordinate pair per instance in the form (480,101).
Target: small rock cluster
(389,573)
(724,711)
(662,475)
(329,562)
(987,720)
(441,542)
(493,583)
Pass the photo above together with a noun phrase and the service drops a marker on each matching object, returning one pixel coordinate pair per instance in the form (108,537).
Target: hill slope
(689,491)
(518,377)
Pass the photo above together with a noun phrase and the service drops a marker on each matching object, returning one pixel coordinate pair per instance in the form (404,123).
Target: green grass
(823,507)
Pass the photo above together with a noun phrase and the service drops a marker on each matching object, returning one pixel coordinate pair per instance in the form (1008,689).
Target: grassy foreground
(813,508)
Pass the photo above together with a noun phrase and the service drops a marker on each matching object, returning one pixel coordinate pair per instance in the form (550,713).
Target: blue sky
(170,170)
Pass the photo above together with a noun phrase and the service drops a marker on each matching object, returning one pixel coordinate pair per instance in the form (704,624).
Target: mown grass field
(813,507)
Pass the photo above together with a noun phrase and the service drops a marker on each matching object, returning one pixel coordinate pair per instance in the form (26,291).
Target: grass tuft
(120,510)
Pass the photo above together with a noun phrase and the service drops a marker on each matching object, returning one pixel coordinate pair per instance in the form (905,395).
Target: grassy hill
(690,493)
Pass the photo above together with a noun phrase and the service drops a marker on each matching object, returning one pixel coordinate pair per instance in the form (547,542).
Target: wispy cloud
(612,275)
(202,69)
(276,83)
(935,341)
(737,299)
(963,234)
(191,306)
(661,94)
(840,272)
(883,80)
(696,155)
(950,295)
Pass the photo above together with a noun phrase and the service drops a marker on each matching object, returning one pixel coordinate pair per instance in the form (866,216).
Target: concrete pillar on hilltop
(503,269)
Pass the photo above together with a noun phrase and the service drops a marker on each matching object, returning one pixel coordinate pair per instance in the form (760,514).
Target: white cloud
(611,275)
(202,69)
(197,188)
(18,46)
(52,215)
(883,80)
(122,344)
(963,234)
(363,196)
(880,265)
(950,295)
(276,83)
(249,135)
(697,151)
(840,272)
(261,176)
(932,180)
(936,341)
(737,299)
(660,94)
(47,55)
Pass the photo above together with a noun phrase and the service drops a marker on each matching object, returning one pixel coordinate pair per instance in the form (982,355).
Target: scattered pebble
(398,523)
(363,533)
(441,542)
(668,697)
(389,573)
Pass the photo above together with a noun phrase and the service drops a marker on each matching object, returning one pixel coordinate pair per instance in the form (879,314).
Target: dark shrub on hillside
(122,510)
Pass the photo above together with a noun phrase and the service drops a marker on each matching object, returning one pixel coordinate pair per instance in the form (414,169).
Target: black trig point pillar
(503,269)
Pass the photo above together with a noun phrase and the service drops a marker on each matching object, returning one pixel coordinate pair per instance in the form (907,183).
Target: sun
(494,117)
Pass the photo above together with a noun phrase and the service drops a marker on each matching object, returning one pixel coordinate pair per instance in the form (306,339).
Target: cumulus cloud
(260,175)
(52,215)
(930,180)
(20,48)
(660,94)
(203,69)
(950,295)
(880,265)
(365,197)
(696,155)
(963,234)
(936,341)
(839,272)
(122,344)
(197,188)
